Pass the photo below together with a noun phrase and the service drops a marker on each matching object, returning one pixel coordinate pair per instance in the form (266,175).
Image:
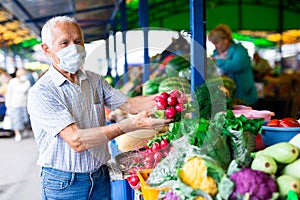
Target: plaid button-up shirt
(54,103)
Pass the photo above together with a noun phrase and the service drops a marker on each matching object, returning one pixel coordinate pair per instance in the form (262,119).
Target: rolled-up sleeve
(114,98)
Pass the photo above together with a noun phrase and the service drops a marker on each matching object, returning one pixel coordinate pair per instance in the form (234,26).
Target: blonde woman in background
(234,61)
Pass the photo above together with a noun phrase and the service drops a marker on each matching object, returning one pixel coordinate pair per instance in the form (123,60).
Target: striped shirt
(54,103)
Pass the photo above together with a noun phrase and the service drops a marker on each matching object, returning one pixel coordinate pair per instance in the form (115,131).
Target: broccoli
(257,184)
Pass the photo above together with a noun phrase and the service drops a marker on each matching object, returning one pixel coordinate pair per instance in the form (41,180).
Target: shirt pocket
(99,113)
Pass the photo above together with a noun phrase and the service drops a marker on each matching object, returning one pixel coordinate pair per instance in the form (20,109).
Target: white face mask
(71,58)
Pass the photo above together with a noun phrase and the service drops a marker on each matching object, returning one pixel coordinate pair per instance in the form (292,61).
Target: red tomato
(289,122)
(273,123)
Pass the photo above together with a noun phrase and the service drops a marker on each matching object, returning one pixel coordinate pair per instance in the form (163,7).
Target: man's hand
(138,104)
(142,121)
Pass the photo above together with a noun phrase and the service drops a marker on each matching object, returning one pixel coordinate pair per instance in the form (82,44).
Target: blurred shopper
(16,103)
(4,79)
(66,107)
(233,60)
(260,68)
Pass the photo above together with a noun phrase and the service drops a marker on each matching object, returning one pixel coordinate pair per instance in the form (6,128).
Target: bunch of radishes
(172,103)
(151,156)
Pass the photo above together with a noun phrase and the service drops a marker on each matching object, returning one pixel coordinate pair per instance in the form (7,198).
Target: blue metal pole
(123,29)
(144,23)
(116,80)
(198,42)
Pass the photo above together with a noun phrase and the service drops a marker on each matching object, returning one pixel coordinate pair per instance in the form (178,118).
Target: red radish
(157,98)
(170,112)
(138,186)
(164,143)
(155,147)
(165,153)
(179,107)
(132,172)
(148,152)
(172,101)
(161,104)
(182,100)
(136,159)
(149,158)
(164,95)
(157,156)
(133,180)
(175,93)
(148,165)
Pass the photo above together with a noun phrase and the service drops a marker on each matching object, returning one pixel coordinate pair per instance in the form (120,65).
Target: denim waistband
(78,175)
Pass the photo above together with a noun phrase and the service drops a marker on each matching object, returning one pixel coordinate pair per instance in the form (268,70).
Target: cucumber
(292,169)
(286,183)
(296,141)
(282,152)
(264,163)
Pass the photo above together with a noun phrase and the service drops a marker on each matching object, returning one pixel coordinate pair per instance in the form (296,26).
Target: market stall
(206,152)
(217,156)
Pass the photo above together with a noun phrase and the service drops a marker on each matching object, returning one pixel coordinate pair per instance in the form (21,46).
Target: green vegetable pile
(223,139)
(241,132)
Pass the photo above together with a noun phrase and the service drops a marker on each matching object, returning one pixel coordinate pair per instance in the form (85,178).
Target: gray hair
(46,32)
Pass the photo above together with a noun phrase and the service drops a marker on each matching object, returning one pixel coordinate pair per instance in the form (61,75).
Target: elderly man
(66,107)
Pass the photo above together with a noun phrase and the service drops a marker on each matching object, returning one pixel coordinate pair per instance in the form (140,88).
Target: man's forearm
(83,139)
(99,135)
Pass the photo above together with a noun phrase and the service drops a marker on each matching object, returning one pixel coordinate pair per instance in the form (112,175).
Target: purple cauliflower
(171,195)
(258,184)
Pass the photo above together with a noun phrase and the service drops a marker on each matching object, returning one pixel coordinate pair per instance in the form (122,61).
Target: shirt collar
(59,79)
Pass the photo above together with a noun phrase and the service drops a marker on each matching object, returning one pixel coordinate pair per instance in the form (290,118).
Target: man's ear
(45,48)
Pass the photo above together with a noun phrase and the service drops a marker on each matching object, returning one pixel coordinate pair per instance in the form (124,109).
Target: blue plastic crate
(120,190)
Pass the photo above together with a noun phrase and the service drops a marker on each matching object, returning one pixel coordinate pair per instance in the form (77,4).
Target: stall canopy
(98,18)
(272,15)
(242,16)
(94,16)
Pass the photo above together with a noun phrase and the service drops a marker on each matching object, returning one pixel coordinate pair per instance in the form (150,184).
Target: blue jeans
(60,185)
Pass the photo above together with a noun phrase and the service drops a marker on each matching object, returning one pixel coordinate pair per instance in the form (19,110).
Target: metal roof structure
(99,17)
(94,16)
